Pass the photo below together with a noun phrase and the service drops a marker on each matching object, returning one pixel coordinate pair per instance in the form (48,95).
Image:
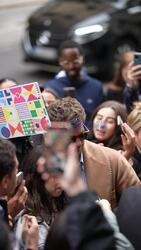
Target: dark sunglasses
(82,136)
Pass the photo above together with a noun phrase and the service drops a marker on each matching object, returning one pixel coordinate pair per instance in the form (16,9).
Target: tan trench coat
(107,172)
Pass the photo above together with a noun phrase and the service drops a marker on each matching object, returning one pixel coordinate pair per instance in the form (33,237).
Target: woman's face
(53,187)
(104,124)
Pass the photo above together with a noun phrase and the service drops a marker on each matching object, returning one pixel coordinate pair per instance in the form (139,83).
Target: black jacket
(82,226)
(91,230)
(136,158)
(128,215)
(131,95)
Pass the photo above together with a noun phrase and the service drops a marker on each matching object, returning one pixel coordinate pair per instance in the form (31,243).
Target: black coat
(82,226)
(129,215)
(137,162)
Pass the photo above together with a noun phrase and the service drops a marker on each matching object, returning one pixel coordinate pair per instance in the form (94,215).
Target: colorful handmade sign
(22,111)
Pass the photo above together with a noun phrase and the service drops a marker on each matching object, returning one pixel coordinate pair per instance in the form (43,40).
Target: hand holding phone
(70,181)
(133,74)
(56,141)
(128,138)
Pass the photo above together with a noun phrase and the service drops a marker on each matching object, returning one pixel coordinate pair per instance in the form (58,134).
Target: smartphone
(57,142)
(137,58)
(120,124)
(19,178)
(69,91)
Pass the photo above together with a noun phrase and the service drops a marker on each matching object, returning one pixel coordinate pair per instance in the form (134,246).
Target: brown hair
(134,118)
(52,91)
(119,109)
(66,109)
(125,59)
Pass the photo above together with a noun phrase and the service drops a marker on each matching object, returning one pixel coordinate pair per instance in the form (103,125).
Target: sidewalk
(6,4)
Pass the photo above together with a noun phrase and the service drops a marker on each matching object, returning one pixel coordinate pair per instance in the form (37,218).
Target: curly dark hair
(7,157)
(66,109)
(119,109)
(39,203)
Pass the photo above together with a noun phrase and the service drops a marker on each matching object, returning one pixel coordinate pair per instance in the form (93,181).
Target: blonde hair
(134,118)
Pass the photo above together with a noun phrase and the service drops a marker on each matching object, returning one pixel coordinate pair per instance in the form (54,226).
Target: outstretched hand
(133,74)
(17,202)
(31,232)
(70,180)
(128,141)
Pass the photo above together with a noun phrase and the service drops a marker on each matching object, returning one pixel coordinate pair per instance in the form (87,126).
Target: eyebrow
(108,117)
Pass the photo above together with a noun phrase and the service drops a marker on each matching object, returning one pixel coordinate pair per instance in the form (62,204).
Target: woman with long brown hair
(115,88)
(106,131)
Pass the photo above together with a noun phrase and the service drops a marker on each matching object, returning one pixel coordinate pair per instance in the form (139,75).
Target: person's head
(104,118)
(134,121)
(69,109)
(120,76)
(49,95)
(8,167)
(7,83)
(41,196)
(71,58)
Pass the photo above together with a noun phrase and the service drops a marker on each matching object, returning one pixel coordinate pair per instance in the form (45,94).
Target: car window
(132,3)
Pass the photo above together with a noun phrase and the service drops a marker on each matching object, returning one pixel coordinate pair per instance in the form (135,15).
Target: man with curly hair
(105,170)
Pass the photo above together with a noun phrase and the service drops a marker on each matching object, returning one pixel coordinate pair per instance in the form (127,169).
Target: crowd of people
(83,190)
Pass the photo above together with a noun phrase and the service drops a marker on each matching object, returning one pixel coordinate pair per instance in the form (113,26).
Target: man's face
(8,183)
(53,187)
(71,61)
(78,139)
(12,181)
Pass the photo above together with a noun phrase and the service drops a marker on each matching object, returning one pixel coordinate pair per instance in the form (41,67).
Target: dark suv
(103,28)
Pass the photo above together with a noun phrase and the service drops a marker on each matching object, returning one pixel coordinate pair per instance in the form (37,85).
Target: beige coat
(107,172)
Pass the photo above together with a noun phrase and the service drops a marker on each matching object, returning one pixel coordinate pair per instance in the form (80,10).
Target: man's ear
(5,182)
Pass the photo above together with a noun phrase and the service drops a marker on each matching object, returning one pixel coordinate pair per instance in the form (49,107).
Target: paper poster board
(22,111)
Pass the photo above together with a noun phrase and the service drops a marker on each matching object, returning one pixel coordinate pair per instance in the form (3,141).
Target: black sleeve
(130,95)
(87,227)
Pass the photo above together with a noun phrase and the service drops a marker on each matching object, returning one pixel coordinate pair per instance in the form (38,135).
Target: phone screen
(57,142)
(137,58)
